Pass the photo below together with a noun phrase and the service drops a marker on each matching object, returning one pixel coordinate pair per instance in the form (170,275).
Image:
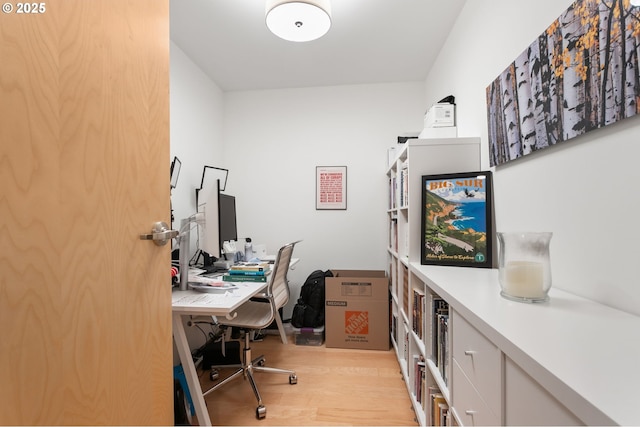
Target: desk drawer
(469,407)
(479,359)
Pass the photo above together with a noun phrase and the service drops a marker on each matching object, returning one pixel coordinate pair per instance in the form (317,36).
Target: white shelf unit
(415,159)
(569,361)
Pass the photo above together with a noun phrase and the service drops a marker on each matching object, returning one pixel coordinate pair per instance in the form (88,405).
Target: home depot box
(357,309)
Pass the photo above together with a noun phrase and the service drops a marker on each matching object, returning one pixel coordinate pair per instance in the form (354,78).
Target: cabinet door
(479,359)
(528,403)
(469,407)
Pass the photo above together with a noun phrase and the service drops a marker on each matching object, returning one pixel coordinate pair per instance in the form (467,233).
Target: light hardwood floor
(335,387)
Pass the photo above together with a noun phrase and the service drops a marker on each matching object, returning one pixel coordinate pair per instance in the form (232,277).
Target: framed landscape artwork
(582,73)
(456,219)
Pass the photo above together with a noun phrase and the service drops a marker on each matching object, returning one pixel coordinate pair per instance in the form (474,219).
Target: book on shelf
(243,278)
(419,386)
(404,185)
(443,414)
(417,311)
(437,400)
(392,193)
(442,361)
(438,306)
(427,405)
(405,289)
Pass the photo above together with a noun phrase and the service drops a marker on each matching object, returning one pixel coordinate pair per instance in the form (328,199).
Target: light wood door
(85,305)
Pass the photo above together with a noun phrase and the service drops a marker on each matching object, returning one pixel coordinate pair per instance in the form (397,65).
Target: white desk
(200,303)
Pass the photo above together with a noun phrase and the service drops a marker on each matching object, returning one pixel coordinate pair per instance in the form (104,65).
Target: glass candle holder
(524,266)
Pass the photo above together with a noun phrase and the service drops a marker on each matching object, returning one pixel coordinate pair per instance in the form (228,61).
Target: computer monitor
(220,223)
(227,217)
(209,232)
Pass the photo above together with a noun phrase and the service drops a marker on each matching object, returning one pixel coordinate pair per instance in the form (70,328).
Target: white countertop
(585,353)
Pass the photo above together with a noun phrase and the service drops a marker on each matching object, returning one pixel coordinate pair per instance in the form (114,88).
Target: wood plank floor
(335,387)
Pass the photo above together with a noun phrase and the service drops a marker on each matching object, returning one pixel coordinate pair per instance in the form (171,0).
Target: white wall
(196,118)
(583,190)
(272,141)
(275,139)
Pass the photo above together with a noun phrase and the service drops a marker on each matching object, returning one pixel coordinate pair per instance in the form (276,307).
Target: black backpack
(309,310)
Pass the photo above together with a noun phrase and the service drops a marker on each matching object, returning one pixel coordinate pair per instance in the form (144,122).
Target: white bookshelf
(417,158)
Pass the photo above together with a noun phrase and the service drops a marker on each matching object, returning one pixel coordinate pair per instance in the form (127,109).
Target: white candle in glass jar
(524,279)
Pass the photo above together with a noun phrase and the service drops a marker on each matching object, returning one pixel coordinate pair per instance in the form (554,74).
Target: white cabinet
(569,361)
(481,359)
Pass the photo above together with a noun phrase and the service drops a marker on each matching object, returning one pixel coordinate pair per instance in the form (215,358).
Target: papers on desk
(216,301)
(212,288)
(213,281)
(200,299)
(197,278)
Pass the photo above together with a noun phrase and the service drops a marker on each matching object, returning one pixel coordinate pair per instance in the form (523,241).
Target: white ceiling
(370,41)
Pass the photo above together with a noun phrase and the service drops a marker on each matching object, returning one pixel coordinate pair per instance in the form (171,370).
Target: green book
(246,273)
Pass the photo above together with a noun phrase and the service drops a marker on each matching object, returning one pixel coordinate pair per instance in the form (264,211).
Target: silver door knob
(160,234)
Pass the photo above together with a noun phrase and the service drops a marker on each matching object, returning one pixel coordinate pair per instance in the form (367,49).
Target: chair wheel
(261,362)
(293,379)
(261,412)
(214,375)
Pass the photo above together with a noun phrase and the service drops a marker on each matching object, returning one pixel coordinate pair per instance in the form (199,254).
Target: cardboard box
(308,336)
(357,309)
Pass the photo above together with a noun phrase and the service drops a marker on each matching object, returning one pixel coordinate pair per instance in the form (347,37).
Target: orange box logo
(356,322)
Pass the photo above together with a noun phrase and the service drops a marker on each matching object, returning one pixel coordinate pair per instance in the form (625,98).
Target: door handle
(160,234)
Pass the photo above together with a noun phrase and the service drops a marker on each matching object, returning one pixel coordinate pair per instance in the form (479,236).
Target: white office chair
(256,315)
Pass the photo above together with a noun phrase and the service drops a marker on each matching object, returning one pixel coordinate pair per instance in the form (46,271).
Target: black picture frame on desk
(456,221)
(176,164)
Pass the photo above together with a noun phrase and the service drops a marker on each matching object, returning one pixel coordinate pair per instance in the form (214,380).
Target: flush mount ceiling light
(298,21)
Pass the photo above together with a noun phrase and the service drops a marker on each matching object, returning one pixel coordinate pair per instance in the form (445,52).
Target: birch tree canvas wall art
(581,74)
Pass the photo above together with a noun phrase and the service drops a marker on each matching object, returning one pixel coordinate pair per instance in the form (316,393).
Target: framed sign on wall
(331,187)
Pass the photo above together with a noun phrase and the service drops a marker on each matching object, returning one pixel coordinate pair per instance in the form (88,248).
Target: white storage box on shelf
(440,115)
(440,122)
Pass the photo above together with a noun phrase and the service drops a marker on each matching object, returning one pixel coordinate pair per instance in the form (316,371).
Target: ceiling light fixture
(298,21)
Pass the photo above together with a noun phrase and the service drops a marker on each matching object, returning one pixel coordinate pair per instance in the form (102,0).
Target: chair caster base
(261,412)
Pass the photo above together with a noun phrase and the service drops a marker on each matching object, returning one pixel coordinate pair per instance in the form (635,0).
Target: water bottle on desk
(248,249)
